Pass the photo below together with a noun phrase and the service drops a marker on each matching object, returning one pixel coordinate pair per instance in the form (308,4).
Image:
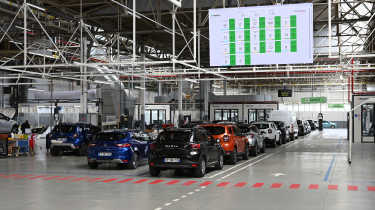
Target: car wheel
(263,149)
(133,161)
(83,149)
(233,157)
(200,171)
(292,137)
(332,126)
(154,171)
(245,156)
(254,150)
(93,165)
(220,163)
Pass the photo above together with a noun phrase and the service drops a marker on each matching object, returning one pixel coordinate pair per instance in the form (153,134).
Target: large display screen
(243,36)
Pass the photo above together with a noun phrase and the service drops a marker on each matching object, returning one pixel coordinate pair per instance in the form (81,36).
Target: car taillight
(92,145)
(226,138)
(123,145)
(270,130)
(195,146)
(152,146)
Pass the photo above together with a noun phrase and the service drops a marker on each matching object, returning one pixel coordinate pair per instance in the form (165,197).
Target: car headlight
(193,153)
(251,140)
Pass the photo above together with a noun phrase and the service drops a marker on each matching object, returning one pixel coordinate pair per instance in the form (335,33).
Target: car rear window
(110,136)
(178,136)
(262,126)
(215,130)
(64,129)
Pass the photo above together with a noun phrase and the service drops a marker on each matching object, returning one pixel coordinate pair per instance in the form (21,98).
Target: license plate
(172,160)
(105,154)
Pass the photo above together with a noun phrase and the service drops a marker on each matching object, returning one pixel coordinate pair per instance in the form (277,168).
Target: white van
(289,119)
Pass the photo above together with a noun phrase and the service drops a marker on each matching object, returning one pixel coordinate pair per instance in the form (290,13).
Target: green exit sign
(314,100)
(341,106)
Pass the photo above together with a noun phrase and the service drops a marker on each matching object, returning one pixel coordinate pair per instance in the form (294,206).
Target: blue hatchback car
(70,137)
(119,147)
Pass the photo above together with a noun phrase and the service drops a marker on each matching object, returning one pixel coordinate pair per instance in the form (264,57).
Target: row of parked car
(198,148)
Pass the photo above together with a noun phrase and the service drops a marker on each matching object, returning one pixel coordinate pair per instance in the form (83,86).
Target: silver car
(7,125)
(254,138)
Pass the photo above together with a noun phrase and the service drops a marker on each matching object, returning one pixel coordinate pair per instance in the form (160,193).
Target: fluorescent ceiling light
(16,42)
(22,28)
(38,90)
(191,80)
(177,3)
(36,7)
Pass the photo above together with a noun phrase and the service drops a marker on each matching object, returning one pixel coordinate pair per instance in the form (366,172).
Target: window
(237,131)
(214,130)
(226,115)
(155,116)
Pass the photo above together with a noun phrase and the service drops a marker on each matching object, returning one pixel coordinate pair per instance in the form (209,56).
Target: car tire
(233,157)
(245,156)
(292,137)
(83,149)
(200,171)
(332,126)
(93,165)
(154,171)
(133,163)
(254,150)
(220,162)
(263,149)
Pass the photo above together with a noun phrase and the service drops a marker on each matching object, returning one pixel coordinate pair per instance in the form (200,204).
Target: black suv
(185,149)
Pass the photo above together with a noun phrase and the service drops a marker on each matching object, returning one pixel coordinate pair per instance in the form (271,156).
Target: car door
(239,138)
(208,143)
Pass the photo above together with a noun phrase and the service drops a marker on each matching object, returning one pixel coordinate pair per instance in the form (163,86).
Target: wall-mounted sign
(340,106)
(314,100)
(285,93)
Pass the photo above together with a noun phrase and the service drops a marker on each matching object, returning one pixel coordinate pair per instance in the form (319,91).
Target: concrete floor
(310,173)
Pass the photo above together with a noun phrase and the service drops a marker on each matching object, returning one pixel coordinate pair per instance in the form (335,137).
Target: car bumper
(185,163)
(65,146)
(117,161)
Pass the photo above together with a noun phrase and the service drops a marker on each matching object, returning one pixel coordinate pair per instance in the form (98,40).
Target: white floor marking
(238,165)
(197,190)
(190,193)
(158,208)
(175,200)
(183,196)
(253,163)
(167,204)
(203,187)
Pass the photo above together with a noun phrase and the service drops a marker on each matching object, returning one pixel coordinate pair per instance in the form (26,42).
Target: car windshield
(110,136)
(178,136)
(215,130)
(64,129)
(262,126)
